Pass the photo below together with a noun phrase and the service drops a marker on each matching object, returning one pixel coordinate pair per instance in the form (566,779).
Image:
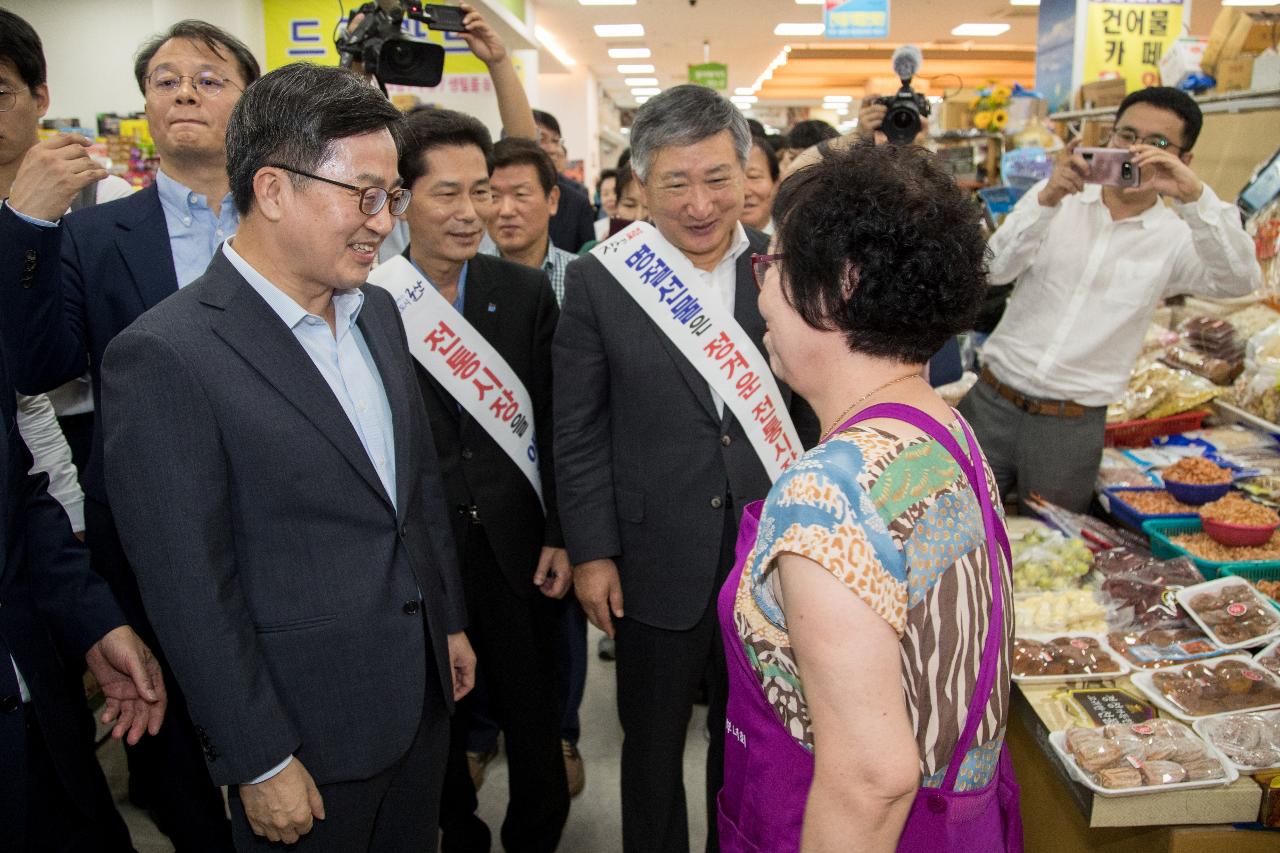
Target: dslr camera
(386,53)
(902,122)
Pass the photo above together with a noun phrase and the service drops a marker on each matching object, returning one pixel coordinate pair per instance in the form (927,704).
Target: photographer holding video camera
(1094,250)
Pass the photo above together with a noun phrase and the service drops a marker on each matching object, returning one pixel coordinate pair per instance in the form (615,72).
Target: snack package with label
(1141,755)
(1214,337)
(1163,647)
(1216,687)
(1251,740)
(1063,656)
(1049,561)
(1157,390)
(1257,390)
(1075,610)
(1269,658)
(1216,370)
(1231,611)
(1140,591)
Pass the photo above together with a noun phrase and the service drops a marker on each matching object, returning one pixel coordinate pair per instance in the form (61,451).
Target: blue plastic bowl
(1196,495)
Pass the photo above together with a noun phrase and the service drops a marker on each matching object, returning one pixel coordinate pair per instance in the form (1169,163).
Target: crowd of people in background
(372,414)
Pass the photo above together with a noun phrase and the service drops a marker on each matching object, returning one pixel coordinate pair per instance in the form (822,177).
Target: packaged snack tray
(1049,561)
(1063,611)
(1139,590)
(1065,657)
(1269,658)
(1232,612)
(1250,741)
(1157,755)
(1163,647)
(1212,687)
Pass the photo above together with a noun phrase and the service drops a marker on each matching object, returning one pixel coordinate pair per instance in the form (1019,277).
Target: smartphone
(1111,167)
(437,16)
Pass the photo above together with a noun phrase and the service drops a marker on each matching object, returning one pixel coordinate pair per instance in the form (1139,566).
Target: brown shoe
(573,769)
(477,762)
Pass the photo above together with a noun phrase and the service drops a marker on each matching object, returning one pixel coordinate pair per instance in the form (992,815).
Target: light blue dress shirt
(343,359)
(194,232)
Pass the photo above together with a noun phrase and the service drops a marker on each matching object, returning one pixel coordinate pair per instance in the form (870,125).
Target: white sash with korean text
(669,289)
(464,363)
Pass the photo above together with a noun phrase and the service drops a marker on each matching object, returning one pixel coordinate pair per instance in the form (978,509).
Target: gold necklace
(864,397)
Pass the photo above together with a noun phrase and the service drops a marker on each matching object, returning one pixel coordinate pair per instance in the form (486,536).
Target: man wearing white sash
(481,328)
(668,422)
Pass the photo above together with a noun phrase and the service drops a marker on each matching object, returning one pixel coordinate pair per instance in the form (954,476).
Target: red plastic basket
(1141,433)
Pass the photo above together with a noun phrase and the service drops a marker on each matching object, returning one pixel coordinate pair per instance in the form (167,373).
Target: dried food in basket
(1237,509)
(1217,687)
(1157,502)
(1206,548)
(1196,471)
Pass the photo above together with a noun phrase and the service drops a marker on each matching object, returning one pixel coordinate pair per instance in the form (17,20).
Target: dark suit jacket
(475,468)
(52,607)
(643,461)
(282,582)
(116,263)
(574,223)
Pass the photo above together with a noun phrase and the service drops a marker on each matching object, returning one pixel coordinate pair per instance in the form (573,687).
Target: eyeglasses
(1129,137)
(207,83)
(761,264)
(7,101)
(372,199)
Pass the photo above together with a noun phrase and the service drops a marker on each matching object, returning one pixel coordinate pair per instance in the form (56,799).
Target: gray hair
(685,115)
(295,116)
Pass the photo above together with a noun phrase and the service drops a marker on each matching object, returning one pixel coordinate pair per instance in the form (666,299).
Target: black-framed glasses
(1129,137)
(208,83)
(761,264)
(372,199)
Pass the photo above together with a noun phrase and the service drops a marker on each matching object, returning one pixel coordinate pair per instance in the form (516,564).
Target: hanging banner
(856,19)
(1126,38)
(713,75)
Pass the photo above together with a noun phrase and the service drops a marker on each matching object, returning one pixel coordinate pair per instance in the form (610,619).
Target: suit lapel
(252,329)
(143,242)
(379,342)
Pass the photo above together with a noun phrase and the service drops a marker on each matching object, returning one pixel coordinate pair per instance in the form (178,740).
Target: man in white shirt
(1092,264)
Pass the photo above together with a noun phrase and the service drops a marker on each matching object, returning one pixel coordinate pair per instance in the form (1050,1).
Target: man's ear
(553,200)
(270,186)
(41,96)
(1186,157)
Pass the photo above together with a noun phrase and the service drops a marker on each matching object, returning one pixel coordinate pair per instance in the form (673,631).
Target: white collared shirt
(723,280)
(1087,286)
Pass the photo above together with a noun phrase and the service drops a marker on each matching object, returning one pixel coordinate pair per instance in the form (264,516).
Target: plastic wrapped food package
(1062,656)
(1232,612)
(1217,687)
(1163,647)
(1139,590)
(1068,610)
(1219,371)
(1157,390)
(1252,320)
(1049,561)
(1148,754)
(1269,658)
(1251,740)
(1256,388)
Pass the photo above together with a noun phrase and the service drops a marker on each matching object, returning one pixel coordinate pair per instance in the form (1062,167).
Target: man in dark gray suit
(652,468)
(276,486)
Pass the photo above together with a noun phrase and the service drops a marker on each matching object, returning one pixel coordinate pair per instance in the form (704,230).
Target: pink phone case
(1111,167)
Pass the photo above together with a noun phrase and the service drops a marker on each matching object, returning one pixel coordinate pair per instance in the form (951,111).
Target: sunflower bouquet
(990,108)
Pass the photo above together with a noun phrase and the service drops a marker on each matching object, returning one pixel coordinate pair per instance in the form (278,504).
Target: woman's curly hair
(881,245)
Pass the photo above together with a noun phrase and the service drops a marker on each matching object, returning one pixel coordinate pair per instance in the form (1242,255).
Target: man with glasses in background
(573,223)
(120,259)
(1092,264)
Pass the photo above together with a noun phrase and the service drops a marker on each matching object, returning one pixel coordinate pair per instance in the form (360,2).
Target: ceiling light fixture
(549,42)
(744,90)
(980,30)
(635,69)
(641,81)
(838,99)
(800,29)
(642,99)
(629,53)
(646,90)
(621,31)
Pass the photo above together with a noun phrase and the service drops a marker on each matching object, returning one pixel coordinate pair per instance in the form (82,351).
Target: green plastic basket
(1256,573)
(1160,531)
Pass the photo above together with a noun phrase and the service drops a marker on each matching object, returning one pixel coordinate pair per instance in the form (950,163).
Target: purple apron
(767,773)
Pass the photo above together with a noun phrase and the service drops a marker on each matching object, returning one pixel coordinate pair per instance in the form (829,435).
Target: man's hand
(870,116)
(130,678)
(51,174)
(462,665)
(600,591)
(554,575)
(1166,173)
(1067,178)
(284,807)
(481,38)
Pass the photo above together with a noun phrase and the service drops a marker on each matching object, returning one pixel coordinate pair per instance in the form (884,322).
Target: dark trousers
(395,811)
(659,674)
(167,771)
(1056,458)
(54,822)
(78,431)
(571,667)
(514,639)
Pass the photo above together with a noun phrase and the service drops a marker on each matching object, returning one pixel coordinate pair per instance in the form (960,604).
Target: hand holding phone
(1067,178)
(1112,167)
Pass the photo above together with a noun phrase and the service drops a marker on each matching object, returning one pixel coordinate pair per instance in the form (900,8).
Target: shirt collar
(459,301)
(177,197)
(346,303)
(739,245)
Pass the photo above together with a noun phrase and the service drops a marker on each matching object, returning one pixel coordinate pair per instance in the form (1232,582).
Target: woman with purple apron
(900,511)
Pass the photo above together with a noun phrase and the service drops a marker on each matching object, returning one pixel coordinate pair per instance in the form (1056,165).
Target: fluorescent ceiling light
(641,100)
(801,29)
(646,90)
(549,42)
(606,2)
(641,81)
(623,31)
(635,69)
(838,99)
(842,111)
(980,30)
(744,90)
(629,53)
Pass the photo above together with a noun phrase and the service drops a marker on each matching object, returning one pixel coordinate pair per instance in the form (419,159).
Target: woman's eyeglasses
(761,264)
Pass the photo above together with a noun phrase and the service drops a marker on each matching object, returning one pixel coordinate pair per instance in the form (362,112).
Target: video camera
(387,53)
(902,122)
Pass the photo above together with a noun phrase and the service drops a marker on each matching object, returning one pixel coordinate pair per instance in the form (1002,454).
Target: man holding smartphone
(1092,264)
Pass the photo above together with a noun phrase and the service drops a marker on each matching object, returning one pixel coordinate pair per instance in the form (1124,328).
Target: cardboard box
(1218,35)
(1181,60)
(1102,93)
(1235,74)
(1266,71)
(955,113)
